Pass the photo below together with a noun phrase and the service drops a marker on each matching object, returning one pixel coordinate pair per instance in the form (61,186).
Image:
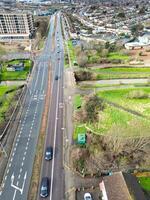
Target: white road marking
(22,164)
(7,171)
(14,195)
(20,170)
(54,144)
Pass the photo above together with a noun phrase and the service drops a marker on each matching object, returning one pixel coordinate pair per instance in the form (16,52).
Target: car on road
(44,190)
(56,77)
(49,153)
(87,196)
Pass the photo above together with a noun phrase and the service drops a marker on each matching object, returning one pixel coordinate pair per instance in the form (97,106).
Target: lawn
(16,75)
(145,183)
(6,100)
(118,56)
(77,101)
(120,96)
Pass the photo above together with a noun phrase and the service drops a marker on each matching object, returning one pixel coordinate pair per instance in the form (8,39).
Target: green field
(17,75)
(120,96)
(113,121)
(145,183)
(6,100)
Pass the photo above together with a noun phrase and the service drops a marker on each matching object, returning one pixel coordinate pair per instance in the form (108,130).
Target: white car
(87,196)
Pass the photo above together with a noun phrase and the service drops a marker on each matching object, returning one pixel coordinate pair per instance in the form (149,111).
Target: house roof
(122,186)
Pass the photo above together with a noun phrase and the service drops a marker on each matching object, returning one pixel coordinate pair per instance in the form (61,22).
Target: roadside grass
(144,182)
(77,101)
(72,52)
(118,56)
(6,100)
(15,75)
(66,59)
(120,96)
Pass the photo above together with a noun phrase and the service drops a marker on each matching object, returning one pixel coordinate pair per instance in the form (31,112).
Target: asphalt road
(18,173)
(54,169)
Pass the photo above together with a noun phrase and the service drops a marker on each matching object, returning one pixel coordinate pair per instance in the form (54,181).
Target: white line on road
(7,171)
(54,145)
(14,195)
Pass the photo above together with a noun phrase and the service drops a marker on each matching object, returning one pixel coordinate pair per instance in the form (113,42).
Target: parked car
(44,190)
(49,153)
(87,196)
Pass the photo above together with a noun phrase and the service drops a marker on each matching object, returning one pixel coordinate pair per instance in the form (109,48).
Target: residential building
(15,26)
(121,186)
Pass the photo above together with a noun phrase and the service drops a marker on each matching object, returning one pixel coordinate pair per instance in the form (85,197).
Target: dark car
(44,190)
(56,77)
(49,153)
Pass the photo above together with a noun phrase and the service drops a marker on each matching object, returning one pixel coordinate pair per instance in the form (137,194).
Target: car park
(44,190)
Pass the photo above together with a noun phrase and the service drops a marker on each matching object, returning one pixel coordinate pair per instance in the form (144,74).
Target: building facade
(16,26)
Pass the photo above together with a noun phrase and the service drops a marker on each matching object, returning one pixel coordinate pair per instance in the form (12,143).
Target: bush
(82,59)
(83,75)
(137,94)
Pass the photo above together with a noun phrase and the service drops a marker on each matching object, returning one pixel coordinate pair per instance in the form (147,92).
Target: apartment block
(15,26)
